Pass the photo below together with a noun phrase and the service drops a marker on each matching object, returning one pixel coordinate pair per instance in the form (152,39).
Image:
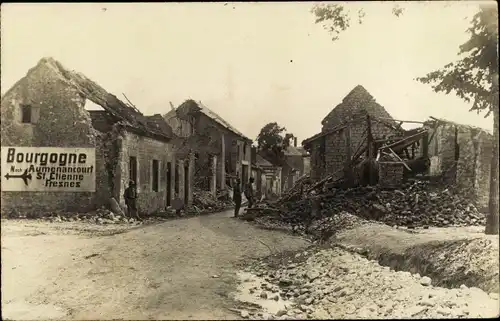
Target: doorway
(244,174)
(186,182)
(176,180)
(132,169)
(169,183)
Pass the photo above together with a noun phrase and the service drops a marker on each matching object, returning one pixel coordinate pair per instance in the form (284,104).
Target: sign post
(48,169)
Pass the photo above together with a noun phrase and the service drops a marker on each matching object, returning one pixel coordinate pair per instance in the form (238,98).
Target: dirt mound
(450,256)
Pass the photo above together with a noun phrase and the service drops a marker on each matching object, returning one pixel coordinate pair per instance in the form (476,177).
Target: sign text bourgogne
(48,169)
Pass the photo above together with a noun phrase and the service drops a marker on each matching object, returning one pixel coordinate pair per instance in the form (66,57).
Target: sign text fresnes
(49,169)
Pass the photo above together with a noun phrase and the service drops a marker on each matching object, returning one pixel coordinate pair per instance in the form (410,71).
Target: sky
(252,63)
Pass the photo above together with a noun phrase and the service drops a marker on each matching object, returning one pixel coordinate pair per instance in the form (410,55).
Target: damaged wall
(145,150)
(462,155)
(58,120)
(329,153)
(307,165)
(390,174)
(212,138)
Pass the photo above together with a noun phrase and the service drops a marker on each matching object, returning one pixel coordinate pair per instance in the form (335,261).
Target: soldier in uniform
(130,196)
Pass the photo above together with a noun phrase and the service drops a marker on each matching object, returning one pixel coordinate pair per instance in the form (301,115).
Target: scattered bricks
(415,204)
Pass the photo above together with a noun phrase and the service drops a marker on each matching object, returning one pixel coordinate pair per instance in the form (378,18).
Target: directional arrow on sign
(25,176)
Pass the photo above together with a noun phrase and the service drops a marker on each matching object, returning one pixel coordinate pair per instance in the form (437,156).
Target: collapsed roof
(191,106)
(128,116)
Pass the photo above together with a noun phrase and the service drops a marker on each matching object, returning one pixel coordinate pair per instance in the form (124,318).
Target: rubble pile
(298,189)
(205,202)
(328,226)
(333,283)
(417,203)
(101,216)
(319,230)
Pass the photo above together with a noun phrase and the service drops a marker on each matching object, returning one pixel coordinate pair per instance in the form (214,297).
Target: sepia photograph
(249,160)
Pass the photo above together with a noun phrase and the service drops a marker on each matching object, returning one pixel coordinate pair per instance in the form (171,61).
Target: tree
(474,78)
(337,18)
(272,141)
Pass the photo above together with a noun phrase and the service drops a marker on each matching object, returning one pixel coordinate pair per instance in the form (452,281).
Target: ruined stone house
(47,108)
(296,165)
(461,155)
(221,151)
(267,176)
(344,133)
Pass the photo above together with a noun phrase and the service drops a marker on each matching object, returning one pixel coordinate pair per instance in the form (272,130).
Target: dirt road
(181,269)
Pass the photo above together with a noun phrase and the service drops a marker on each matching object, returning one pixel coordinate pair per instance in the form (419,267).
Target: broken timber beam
(436,126)
(405,142)
(371,173)
(347,164)
(399,158)
(403,121)
(360,144)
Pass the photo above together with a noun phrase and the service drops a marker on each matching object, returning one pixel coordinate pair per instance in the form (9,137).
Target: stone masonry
(463,155)
(57,121)
(390,174)
(336,144)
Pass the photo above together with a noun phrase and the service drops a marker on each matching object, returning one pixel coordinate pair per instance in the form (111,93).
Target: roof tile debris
(192,106)
(129,116)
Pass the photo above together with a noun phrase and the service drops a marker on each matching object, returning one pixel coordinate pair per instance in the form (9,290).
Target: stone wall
(59,119)
(390,174)
(335,148)
(471,170)
(232,150)
(317,152)
(307,165)
(146,150)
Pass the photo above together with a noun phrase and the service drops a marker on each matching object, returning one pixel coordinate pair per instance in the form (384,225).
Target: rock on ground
(333,283)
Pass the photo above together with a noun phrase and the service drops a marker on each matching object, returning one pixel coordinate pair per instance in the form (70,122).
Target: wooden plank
(347,165)
(436,126)
(406,141)
(425,146)
(355,158)
(371,173)
(399,158)
(348,142)
(360,144)
(389,162)
(403,121)
(370,138)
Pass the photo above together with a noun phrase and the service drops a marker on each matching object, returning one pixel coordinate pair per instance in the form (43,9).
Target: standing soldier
(237,197)
(249,192)
(130,196)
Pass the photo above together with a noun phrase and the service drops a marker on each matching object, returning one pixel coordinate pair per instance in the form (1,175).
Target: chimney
(295,142)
